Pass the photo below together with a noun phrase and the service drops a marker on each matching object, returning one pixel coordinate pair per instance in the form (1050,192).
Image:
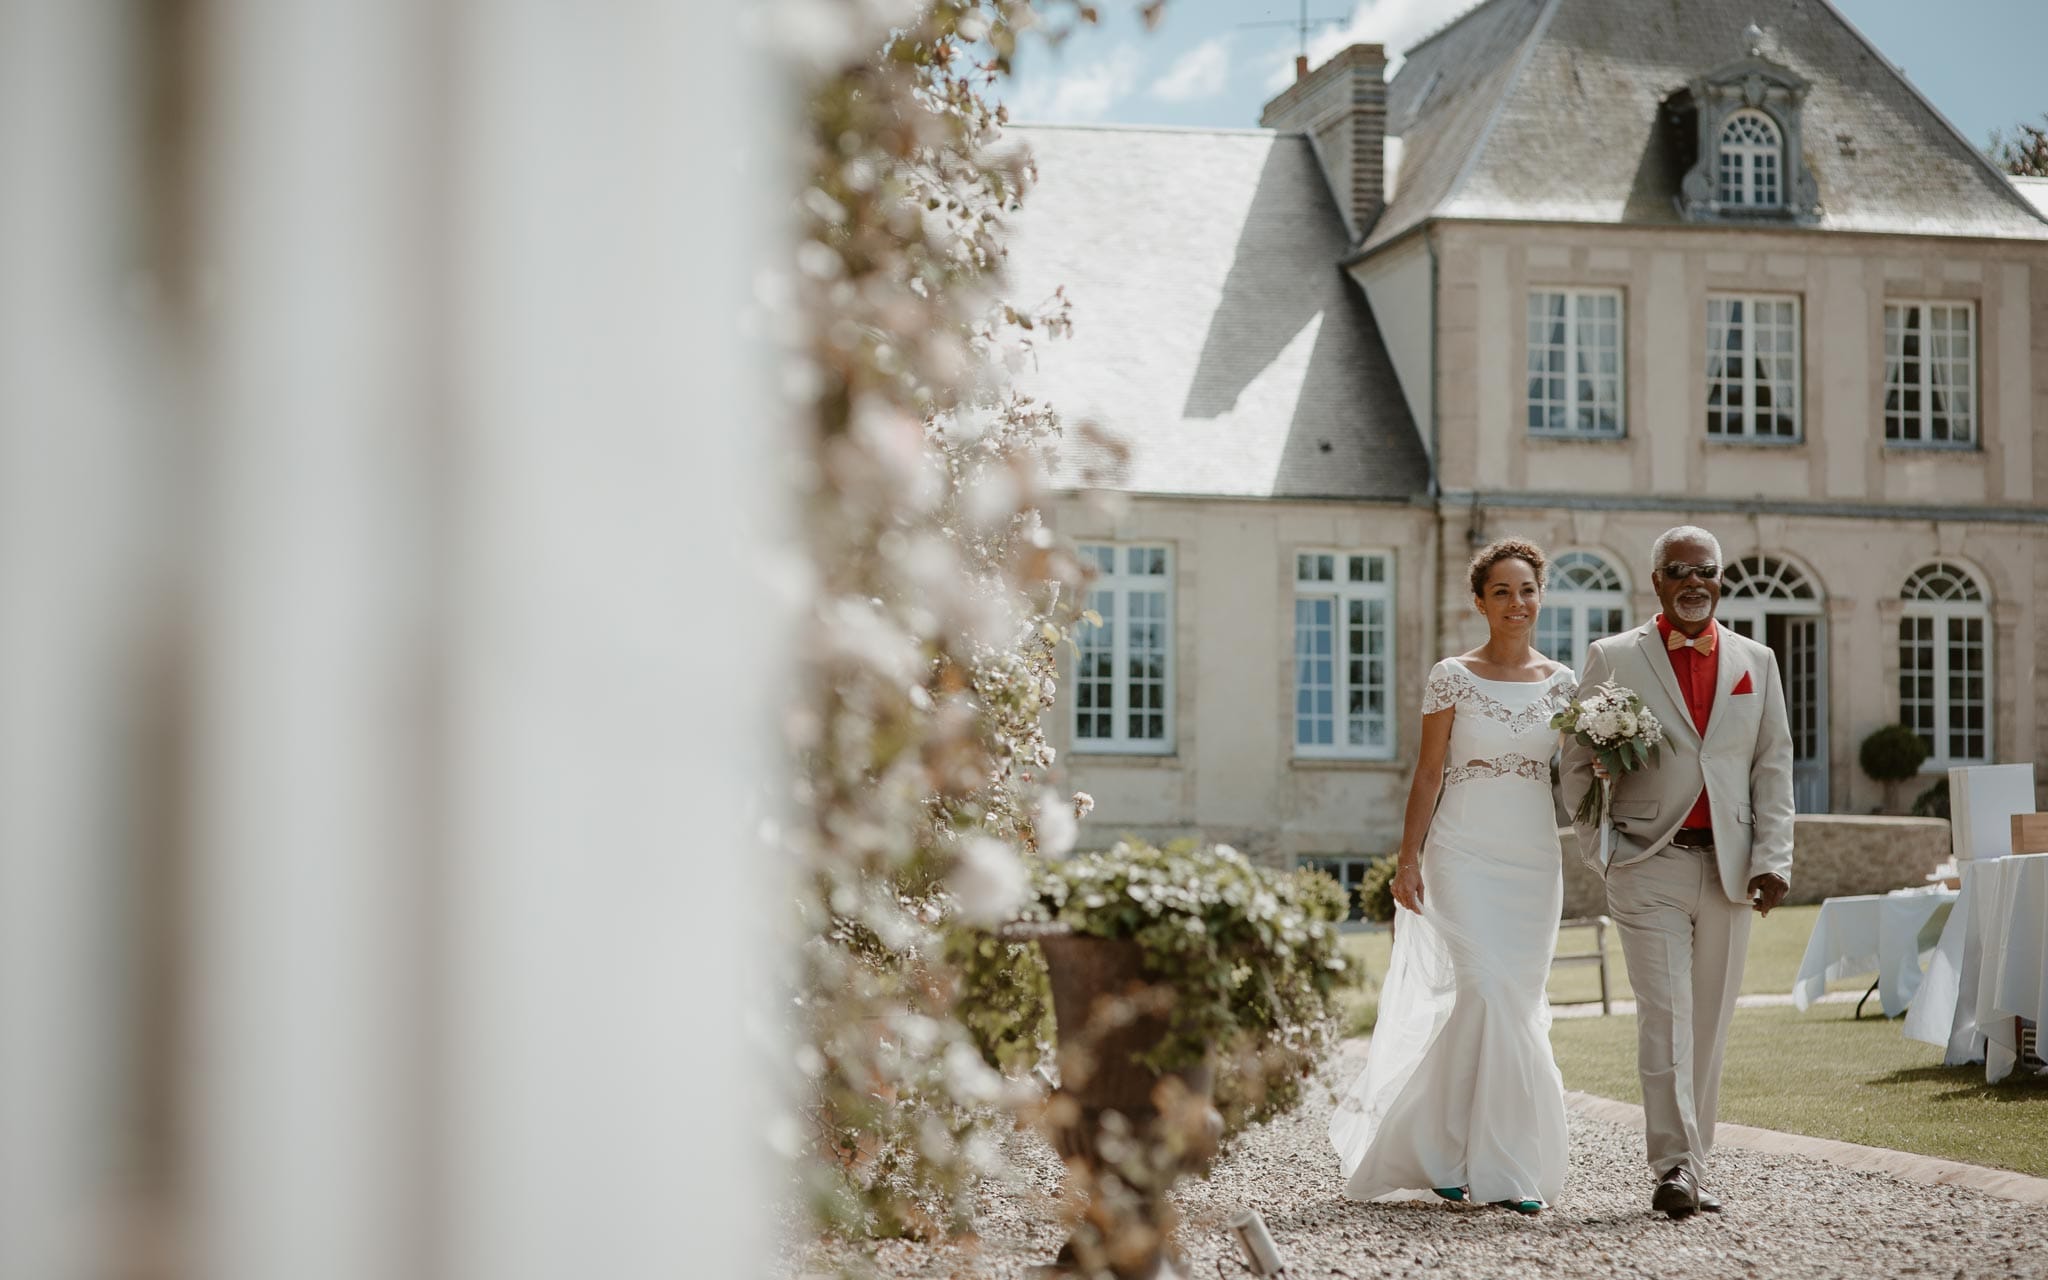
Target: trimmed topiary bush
(1891,755)
(1933,802)
(1376,890)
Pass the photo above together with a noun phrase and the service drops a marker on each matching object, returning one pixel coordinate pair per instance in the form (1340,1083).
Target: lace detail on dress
(1518,765)
(1450,685)
(1443,688)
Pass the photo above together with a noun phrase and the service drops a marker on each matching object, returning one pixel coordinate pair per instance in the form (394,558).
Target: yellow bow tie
(1703,642)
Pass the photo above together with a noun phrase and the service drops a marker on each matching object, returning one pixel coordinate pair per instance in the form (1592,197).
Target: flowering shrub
(1251,955)
(934,597)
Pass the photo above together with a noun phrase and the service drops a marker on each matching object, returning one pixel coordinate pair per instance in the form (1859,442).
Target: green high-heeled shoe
(1450,1193)
(1529,1208)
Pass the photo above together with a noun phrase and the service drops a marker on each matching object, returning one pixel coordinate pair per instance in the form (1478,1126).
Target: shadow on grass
(1970,1084)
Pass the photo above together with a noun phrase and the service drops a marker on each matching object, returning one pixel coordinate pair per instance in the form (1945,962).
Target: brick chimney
(1342,107)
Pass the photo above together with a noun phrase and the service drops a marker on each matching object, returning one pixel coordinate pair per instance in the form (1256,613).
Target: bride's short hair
(1509,549)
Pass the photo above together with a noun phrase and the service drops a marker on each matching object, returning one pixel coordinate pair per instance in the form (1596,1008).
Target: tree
(2023,152)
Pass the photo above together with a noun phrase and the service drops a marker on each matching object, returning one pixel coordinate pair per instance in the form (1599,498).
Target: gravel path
(1787,1216)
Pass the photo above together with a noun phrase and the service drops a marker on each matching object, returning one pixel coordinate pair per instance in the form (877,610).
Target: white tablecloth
(1871,933)
(1991,965)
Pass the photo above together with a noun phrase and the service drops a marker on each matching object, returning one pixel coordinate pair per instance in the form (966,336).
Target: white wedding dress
(1459,1087)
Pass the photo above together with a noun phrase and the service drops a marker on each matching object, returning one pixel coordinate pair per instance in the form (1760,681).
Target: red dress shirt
(1696,673)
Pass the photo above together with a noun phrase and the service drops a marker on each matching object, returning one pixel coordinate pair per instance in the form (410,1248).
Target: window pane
(1145,679)
(1314,627)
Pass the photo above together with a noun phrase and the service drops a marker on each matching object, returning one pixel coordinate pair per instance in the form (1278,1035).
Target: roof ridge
(1445,29)
(2005,183)
(1530,43)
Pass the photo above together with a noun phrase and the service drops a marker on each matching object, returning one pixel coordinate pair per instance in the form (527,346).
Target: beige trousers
(1685,944)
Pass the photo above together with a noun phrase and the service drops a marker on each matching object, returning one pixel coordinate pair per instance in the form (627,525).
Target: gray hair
(1683,533)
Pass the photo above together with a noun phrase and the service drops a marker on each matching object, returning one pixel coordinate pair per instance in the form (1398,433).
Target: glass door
(1802,664)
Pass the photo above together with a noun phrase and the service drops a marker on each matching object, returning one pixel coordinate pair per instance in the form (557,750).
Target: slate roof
(1214,332)
(1546,110)
(2036,192)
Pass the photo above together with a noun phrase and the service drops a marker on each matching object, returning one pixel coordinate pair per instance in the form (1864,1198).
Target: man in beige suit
(1701,838)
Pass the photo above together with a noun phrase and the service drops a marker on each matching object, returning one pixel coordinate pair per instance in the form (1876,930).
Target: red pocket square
(1743,685)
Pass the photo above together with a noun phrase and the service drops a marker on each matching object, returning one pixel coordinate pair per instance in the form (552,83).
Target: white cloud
(1396,24)
(1087,92)
(1201,72)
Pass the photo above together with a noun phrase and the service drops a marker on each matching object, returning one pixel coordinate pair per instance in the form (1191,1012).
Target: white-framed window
(1575,382)
(1123,674)
(1945,664)
(1753,367)
(1344,654)
(1751,164)
(1930,373)
(1346,870)
(1586,601)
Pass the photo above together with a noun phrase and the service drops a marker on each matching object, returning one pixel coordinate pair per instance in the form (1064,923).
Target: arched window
(1945,664)
(1586,601)
(1767,578)
(1751,151)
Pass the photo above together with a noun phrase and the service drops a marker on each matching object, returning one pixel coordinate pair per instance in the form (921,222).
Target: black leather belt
(1693,837)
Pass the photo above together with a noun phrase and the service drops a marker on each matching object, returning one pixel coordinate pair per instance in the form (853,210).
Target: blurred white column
(615,656)
(318,209)
(72,594)
(488,660)
(482,655)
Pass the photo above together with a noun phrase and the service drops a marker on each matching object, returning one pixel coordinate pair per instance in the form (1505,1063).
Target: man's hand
(1407,885)
(1767,891)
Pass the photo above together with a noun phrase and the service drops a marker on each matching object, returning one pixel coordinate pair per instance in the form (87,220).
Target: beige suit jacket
(1744,762)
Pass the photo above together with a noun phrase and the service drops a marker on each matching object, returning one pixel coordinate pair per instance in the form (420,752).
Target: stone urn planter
(1183,977)
(1126,1131)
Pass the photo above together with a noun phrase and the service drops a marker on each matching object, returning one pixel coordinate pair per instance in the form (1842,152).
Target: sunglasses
(1680,572)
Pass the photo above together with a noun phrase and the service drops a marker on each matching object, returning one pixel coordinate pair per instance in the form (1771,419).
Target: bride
(1460,1094)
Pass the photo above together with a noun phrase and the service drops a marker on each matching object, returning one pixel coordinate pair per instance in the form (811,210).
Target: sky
(1978,61)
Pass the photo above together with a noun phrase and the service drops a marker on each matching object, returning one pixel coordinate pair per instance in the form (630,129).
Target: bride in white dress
(1460,1094)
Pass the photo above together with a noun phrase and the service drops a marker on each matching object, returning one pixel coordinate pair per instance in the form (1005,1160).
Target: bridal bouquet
(1621,731)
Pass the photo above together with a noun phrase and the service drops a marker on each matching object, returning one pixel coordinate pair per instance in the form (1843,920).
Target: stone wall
(1832,855)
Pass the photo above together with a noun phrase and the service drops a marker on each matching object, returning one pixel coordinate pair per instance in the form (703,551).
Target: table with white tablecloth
(1881,933)
(1990,967)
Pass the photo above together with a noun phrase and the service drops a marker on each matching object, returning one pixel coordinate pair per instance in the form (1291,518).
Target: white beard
(1697,611)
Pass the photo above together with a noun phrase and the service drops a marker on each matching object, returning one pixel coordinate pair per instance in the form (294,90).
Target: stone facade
(1266,418)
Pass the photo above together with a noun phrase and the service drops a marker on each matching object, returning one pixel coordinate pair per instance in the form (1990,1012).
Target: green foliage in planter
(1376,890)
(1933,802)
(1251,953)
(1005,998)
(1893,753)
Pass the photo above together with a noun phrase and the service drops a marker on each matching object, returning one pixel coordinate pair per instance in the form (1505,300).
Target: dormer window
(1735,135)
(1750,151)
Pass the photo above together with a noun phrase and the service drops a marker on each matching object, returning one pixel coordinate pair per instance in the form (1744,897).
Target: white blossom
(988,882)
(1055,824)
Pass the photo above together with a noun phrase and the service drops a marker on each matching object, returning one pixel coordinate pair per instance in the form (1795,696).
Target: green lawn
(1827,1074)
(1776,944)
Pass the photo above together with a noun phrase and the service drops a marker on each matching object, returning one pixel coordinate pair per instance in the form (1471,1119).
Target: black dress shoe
(1676,1194)
(1708,1204)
